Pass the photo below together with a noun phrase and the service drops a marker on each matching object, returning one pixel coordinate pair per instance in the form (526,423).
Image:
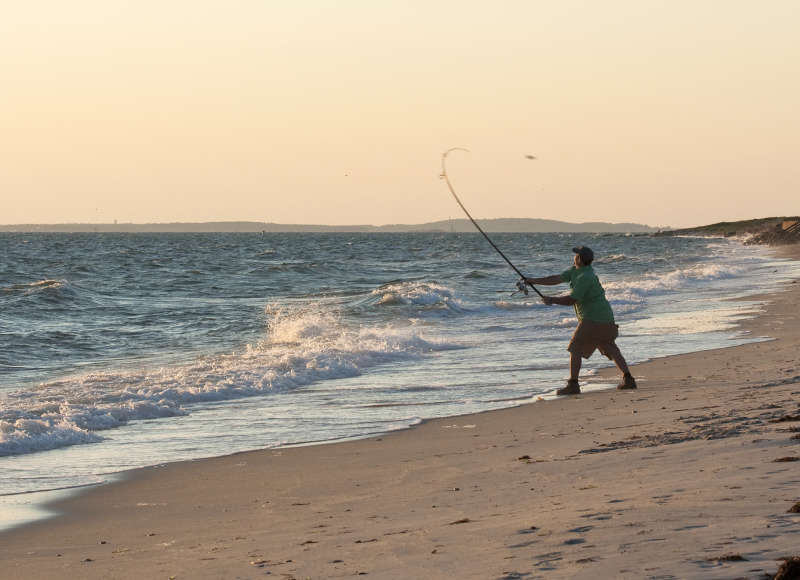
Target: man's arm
(562,300)
(547,281)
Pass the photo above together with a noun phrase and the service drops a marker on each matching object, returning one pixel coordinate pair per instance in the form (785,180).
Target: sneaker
(627,382)
(572,388)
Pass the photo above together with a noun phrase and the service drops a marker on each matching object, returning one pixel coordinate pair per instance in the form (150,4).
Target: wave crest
(422,295)
(33,287)
(302,346)
(636,290)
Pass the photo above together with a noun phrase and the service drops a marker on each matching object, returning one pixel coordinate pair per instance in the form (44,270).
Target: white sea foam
(302,346)
(420,294)
(34,286)
(611,259)
(28,435)
(636,289)
(509,305)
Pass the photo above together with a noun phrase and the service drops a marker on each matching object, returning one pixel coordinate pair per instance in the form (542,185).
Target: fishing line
(521,284)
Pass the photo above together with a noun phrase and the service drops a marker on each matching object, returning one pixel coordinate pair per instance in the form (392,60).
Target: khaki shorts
(593,335)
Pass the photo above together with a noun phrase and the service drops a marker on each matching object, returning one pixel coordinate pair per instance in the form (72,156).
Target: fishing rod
(521,284)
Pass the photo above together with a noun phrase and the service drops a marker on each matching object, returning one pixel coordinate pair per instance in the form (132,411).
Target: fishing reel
(521,287)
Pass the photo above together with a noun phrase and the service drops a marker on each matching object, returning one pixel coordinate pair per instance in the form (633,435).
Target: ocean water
(124,350)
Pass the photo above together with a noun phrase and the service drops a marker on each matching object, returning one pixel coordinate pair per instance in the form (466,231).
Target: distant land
(771,230)
(511,225)
(738,228)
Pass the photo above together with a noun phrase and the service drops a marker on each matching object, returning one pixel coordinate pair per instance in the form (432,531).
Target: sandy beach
(694,475)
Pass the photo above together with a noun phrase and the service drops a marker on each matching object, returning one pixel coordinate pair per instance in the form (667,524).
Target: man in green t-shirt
(596,327)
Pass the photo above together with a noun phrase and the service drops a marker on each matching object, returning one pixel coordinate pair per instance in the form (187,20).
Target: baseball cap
(585,252)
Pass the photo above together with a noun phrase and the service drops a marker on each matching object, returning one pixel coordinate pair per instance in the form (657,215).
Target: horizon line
(285,224)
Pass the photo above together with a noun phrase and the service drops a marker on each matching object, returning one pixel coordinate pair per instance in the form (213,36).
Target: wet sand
(693,475)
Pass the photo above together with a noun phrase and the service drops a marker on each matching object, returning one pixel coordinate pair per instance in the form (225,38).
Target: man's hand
(547,300)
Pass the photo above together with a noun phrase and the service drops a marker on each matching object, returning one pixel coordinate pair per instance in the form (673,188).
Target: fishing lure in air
(521,283)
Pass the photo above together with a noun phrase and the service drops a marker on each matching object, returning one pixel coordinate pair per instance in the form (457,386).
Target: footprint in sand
(524,544)
(530,530)
(690,527)
(546,561)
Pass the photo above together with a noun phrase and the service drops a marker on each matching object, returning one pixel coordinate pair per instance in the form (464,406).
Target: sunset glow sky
(337,111)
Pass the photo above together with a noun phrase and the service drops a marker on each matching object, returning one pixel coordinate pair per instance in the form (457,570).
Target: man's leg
(575,365)
(628,382)
(614,354)
(572,387)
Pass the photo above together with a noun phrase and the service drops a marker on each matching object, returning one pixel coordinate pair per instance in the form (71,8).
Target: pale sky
(337,111)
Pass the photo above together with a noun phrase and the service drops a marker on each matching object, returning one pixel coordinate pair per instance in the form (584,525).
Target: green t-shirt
(591,298)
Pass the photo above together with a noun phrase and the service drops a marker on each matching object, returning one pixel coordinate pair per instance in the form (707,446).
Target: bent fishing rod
(521,284)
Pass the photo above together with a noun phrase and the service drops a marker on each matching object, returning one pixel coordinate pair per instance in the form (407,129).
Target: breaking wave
(419,295)
(613,259)
(54,287)
(637,289)
(302,346)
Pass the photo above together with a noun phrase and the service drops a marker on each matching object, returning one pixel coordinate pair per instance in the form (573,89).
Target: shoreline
(302,511)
